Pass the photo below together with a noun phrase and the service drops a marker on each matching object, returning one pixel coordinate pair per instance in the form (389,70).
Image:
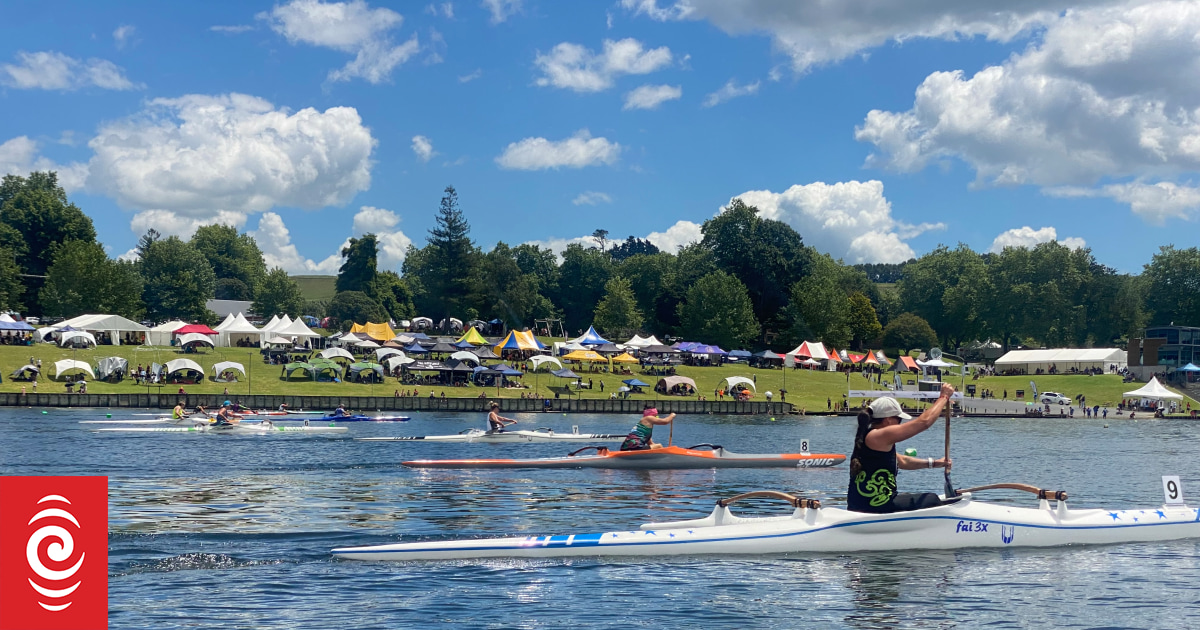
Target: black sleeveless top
(872,479)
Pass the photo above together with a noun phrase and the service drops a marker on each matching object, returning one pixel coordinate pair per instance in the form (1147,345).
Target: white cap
(887,407)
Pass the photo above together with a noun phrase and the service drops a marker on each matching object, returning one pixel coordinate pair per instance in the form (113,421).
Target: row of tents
(110,366)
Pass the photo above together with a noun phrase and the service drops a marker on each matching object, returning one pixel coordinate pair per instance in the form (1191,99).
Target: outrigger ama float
(962,522)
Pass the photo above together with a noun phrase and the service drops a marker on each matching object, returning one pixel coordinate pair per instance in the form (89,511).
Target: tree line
(749,282)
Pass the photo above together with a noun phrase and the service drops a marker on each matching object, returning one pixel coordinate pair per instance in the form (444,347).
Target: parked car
(1054,399)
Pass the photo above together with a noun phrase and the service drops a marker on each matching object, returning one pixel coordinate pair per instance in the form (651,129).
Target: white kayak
(247,428)
(965,522)
(158,420)
(541,434)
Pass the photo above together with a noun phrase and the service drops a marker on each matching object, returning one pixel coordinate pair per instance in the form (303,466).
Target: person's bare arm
(904,462)
(883,439)
(661,420)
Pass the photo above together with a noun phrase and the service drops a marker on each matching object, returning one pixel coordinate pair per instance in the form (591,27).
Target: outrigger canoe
(666,458)
(962,523)
(241,428)
(541,434)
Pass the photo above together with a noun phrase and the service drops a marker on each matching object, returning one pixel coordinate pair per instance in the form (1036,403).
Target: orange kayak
(666,458)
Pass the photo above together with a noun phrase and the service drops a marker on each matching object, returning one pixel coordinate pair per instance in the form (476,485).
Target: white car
(1054,399)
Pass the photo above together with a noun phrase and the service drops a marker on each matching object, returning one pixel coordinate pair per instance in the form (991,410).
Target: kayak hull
(505,437)
(965,524)
(358,418)
(667,458)
(235,429)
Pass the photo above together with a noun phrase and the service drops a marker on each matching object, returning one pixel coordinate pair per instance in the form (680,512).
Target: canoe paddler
(639,438)
(497,422)
(874,462)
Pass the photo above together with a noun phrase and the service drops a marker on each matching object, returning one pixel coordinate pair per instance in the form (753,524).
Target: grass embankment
(806,389)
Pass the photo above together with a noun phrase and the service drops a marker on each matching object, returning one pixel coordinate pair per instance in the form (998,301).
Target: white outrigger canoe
(241,428)
(541,434)
(962,523)
(158,420)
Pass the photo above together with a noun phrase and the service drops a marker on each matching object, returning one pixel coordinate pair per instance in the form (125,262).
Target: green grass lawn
(316,287)
(806,389)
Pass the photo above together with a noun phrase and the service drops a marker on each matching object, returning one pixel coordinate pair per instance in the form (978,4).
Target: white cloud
(729,91)
(350,27)
(1106,94)
(651,96)
(676,237)
(169,223)
(122,34)
(232,29)
(1029,237)
(275,241)
(19,156)
(445,9)
(501,9)
(198,155)
(575,67)
(393,243)
(467,78)
(55,71)
(815,33)
(578,151)
(1156,203)
(130,256)
(423,148)
(848,220)
(591,198)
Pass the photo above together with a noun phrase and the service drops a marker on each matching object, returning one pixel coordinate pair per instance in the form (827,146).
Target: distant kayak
(666,458)
(542,434)
(249,428)
(359,418)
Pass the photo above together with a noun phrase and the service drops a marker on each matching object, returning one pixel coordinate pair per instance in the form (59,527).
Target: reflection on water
(210,530)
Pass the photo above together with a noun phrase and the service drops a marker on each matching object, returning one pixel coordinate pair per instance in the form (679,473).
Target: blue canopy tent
(22,326)
(706,349)
(1191,367)
(591,338)
(740,354)
(633,382)
(465,345)
(415,348)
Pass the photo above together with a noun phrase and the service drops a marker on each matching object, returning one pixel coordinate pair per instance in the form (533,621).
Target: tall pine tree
(452,256)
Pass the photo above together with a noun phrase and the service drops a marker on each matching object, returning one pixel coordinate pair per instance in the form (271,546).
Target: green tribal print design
(881,487)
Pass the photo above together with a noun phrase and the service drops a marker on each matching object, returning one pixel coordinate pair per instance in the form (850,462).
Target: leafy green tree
(650,277)
(231,289)
(601,238)
(393,294)
(503,290)
(36,207)
(11,288)
(632,247)
(617,313)
(948,288)
(908,331)
(232,256)
(359,263)
(278,294)
(452,260)
(541,262)
(718,310)
(582,277)
(354,307)
(1173,286)
(82,279)
(862,321)
(177,281)
(819,306)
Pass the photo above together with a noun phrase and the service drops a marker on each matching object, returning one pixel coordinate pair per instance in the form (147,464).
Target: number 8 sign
(1172,490)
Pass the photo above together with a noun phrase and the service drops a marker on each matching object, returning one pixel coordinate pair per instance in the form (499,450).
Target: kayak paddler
(340,412)
(179,412)
(497,422)
(874,462)
(639,438)
(224,416)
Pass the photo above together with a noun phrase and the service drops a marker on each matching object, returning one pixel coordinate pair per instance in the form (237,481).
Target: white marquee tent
(237,330)
(114,325)
(1030,361)
(162,334)
(1154,390)
(68,365)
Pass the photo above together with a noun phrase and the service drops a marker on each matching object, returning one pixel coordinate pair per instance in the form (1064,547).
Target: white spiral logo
(58,551)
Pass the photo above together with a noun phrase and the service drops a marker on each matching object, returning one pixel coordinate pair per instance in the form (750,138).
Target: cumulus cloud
(170,223)
(849,220)
(197,155)
(501,10)
(350,27)
(651,96)
(676,237)
(393,243)
(275,241)
(423,148)
(578,151)
(1107,94)
(730,91)
(1029,237)
(574,67)
(20,156)
(51,70)
(123,34)
(815,33)
(591,198)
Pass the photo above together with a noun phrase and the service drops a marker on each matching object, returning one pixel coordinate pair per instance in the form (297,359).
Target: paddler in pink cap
(639,438)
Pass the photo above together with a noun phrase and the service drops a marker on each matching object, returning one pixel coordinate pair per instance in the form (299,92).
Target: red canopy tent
(195,328)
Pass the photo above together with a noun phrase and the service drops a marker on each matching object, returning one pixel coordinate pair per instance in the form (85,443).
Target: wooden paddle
(950,492)
(671,433)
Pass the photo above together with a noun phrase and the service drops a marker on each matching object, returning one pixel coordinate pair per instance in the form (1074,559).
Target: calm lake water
(235,531)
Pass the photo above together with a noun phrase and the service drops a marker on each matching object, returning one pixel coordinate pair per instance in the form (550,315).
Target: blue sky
(877,131)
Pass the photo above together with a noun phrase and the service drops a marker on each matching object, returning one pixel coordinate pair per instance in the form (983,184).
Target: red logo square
(53,553)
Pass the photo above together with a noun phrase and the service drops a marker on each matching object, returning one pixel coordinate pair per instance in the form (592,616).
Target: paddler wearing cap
(874,462)
(639,438)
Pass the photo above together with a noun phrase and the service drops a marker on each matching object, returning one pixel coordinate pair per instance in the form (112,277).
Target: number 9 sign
(1172,491)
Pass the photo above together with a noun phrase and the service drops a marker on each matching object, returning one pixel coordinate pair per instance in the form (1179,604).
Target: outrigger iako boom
(962,522)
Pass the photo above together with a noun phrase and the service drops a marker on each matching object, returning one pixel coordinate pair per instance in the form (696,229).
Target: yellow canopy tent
(382,332)
(584,355)
(473,337)
(624,357)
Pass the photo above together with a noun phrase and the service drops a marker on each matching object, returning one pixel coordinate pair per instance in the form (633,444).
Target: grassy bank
(806,389)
